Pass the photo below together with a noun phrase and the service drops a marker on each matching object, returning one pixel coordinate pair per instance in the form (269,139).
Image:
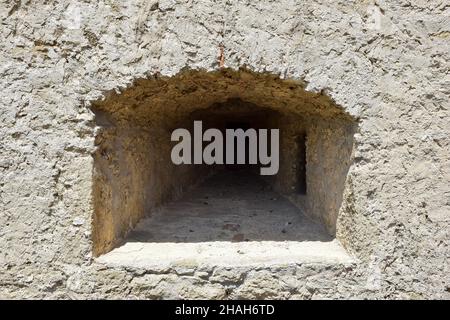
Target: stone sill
(157,257)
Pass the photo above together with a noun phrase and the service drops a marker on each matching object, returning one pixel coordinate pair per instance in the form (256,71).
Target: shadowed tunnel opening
(140,195)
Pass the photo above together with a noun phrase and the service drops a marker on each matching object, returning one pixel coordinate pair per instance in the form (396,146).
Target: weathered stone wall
(384,63)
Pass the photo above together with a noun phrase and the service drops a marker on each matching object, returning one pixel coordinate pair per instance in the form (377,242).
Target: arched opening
(140,195)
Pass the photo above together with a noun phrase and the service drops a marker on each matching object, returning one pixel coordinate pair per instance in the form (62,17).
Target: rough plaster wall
(391,74)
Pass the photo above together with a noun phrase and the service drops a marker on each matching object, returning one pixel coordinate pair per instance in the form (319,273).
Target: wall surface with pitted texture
(385,64)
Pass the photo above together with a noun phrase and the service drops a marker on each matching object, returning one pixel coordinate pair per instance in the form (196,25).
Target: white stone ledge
(160,256)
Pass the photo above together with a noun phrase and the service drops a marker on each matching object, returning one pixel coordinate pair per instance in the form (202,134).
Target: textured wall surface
(386,64)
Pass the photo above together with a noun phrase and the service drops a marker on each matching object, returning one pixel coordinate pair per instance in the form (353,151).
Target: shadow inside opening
(231,205)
